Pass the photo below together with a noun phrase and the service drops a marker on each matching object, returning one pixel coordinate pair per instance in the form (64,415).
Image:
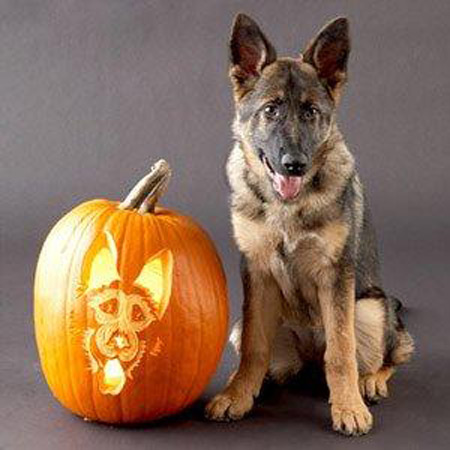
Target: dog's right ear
(250,52)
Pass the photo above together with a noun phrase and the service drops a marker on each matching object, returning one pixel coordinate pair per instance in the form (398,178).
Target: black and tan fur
(309,263)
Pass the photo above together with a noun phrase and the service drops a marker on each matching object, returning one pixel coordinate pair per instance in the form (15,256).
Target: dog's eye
(310,112)
(271,111)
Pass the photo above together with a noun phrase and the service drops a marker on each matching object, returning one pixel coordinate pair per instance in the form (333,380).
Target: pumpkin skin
(181,347)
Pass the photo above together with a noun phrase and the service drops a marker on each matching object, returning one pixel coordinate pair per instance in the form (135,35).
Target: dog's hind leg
(374,386)
(285,361)
(381,344)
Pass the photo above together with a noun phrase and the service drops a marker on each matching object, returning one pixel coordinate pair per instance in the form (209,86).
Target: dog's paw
(374,387)
(350,420)
(227,406)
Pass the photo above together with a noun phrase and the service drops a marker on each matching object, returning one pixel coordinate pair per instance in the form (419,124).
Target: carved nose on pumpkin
(120,341)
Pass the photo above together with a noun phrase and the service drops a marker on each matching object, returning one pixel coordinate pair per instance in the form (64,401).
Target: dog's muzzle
(286,186)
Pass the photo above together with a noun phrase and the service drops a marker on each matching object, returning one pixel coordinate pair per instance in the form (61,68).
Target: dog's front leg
(261,313)
(349,413)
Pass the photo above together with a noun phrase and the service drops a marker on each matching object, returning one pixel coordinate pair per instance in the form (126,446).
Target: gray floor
(91,93)
(416,415)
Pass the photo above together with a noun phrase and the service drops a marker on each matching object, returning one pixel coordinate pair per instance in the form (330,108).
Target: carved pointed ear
(250,52)
(104,265)
(328,53)
(156,277)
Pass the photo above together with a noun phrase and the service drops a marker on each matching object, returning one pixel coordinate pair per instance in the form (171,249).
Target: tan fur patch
(369,325)
(334,235)
(336,164)
(404,348)
(277,94)
(374,386)
(359,203)
(338,312)
(254,240)
(319,250)
(338,309)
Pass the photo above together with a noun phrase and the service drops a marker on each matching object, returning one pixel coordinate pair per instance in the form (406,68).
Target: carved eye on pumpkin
(138,313)
(110,307)
(106,305)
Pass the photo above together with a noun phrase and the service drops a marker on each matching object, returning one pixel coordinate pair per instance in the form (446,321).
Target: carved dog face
(114,348)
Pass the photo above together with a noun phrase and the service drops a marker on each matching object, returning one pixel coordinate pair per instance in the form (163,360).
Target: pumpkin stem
(148,190)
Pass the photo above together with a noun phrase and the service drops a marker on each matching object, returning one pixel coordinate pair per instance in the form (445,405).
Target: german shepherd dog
(300,218)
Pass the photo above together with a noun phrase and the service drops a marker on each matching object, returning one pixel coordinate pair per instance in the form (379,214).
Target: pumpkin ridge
(194,289)
(145,237)
(162,242)
(88,217)
(196,380)
(103,228)
(213,288)
(87,221)
(222,311)
(152,221)
(123,235)
(92,383)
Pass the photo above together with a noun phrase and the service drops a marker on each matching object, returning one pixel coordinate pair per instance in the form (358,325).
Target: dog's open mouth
(287,187)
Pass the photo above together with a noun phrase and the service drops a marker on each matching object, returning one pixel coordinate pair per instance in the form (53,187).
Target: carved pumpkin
(131,309)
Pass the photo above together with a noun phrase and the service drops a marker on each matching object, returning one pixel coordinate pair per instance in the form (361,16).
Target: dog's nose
(295,166)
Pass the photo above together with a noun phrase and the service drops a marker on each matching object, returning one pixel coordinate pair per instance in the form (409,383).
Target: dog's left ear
(328,53)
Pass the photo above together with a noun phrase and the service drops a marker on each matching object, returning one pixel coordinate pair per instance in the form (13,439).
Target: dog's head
(285,107)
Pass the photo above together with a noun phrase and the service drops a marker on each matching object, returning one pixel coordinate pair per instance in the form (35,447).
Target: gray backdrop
(92,92)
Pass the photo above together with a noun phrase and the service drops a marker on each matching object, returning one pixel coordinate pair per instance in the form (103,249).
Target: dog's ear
(250,52)
(328,53)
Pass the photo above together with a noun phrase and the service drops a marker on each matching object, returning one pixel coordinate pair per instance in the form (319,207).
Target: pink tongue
(287,187)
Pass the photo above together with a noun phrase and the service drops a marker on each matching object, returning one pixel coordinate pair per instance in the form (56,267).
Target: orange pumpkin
(131,309)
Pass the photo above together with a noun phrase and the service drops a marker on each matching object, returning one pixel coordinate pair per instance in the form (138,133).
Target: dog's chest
(292,254)
(297,255)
